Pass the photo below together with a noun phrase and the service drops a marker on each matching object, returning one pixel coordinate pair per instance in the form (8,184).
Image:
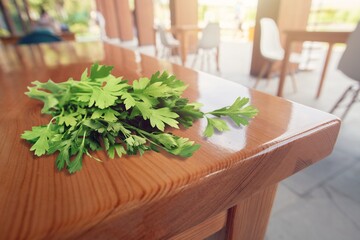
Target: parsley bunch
(102,111)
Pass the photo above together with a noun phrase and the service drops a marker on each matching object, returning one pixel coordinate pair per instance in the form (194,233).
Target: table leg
(249,218)
(155,46)
(217,59)
(284,67)
(183,47)
(323,74)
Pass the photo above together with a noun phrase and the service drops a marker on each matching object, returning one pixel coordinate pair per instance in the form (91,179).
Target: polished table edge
(188,204)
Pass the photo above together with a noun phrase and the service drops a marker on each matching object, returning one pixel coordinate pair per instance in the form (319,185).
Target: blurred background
(232,15)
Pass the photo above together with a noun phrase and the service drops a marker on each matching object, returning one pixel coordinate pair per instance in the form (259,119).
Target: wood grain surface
(204,229)
(156,196)
(249,218)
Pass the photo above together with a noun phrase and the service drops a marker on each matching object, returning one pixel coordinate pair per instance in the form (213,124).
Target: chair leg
(166,53)
(163,53)
(174,53)
(195,59)
(353,100)
(208,60)
(178,55)
(217,59)
(169,54)
(202,61)
(292,76)
(341,99)
(261,74)
(268,76)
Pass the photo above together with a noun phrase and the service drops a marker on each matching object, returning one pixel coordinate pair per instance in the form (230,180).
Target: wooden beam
(26,7)
(99,6)
(144,22)
(107,8)
(18,11)
(4,5)
(125,20)
(185,13)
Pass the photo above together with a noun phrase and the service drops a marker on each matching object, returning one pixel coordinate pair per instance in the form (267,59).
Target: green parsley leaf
(237,112)
(140,84)
(107,114)
(69,120)
(101,98)
(41,145)
(214,123)
(98,71)
(129,101)
(35,133)
(159,117)
(114,86)
(185,148)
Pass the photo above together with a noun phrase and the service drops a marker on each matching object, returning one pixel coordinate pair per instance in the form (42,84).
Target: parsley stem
(143,133)
(83,140)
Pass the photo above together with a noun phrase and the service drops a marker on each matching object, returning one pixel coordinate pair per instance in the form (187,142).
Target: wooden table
(229,184)
(66,36)
(183,33)
(300,36)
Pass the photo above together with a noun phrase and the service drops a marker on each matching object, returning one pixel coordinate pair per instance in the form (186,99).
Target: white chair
(100,20)
(208,43)
(349,65)
(271,49)
(169,43)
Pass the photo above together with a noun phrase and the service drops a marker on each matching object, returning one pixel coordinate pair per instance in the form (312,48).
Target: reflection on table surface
(48,55)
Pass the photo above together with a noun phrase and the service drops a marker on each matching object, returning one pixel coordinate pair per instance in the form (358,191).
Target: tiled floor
(321,202)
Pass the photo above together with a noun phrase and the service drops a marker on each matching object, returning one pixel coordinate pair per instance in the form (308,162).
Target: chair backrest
(37,37)
(270,45)
(100,20)
(162,35)
(349,62)
(210,36)
(166,38)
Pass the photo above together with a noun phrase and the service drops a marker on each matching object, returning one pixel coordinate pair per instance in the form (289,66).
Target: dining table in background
(183,33)
(226,189)
(313,36)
